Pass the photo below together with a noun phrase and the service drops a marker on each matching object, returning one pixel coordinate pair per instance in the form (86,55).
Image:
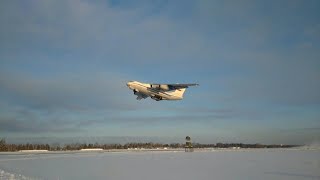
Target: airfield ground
(175,164)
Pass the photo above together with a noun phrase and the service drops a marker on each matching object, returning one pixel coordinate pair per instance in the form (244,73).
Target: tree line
(6,147)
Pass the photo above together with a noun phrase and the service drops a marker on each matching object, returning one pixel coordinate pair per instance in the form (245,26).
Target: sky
(64,67)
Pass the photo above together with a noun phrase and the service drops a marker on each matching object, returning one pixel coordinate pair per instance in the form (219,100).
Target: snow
(35,151)
(158,165)
(92,149)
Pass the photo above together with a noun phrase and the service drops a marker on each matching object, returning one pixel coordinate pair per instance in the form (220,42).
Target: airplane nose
(128,84)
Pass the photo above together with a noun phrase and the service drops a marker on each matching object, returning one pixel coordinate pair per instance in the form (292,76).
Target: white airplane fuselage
(143,90)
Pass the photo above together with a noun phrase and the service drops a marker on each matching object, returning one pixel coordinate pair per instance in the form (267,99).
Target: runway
(158,165)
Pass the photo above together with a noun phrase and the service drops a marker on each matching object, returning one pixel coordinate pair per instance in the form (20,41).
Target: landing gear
(157,98)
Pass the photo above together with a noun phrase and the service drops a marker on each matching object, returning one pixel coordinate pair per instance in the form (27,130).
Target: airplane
(158,91)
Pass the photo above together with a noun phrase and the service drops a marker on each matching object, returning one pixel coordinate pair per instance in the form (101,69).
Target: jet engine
(155,86)
(164,87)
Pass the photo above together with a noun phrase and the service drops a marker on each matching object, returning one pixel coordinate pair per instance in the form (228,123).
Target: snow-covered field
(154,165)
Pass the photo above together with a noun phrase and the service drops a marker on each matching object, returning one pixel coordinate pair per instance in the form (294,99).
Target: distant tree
(3,146)
(149,145)
(47,147)
(96,145)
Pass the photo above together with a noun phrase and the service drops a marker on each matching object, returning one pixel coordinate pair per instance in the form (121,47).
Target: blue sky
(64,65)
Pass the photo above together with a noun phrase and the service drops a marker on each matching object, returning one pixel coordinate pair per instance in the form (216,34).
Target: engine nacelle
(164,87)
(155,86)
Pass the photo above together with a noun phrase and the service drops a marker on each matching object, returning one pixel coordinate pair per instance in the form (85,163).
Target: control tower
(188,147)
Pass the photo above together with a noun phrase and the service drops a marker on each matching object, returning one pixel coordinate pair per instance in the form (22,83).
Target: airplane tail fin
(179,92)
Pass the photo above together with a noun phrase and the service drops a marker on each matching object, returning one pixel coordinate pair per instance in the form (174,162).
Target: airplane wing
(181,85)
(140,96)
